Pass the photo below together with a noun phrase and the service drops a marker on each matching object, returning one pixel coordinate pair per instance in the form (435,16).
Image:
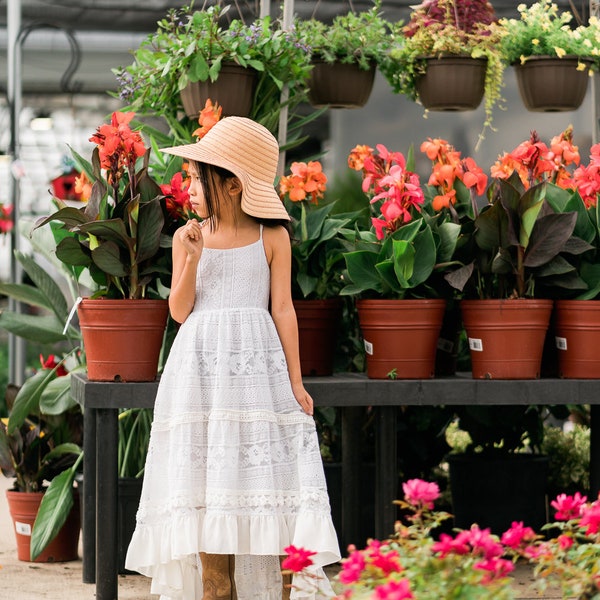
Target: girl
(233,474)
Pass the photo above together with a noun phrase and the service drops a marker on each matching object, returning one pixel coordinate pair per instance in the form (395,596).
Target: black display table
(101,403)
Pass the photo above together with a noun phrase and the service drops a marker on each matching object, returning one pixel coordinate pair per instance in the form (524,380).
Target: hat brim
(259,199)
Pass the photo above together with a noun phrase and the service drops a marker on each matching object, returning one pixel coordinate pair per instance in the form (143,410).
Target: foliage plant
(418,563)
(446,27)
(519,239)
(362,38)
(541,30)
(316,248)
(122,236)
(414,230)
(192,45)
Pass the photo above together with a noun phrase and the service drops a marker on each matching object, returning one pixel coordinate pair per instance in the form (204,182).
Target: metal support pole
(16,345)
(595,12)
(288,19)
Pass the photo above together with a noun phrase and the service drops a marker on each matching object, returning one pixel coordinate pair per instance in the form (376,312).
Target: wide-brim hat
(251,153)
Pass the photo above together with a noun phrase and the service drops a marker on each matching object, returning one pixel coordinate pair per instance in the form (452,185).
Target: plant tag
(23,528)
(445,345)
(368,348)
(73,309)
(561,343)
(475,344)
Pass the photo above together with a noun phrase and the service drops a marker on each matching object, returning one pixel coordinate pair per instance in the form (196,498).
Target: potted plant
(316,263)
(552,59)
(515,250)
(345,54)
(397,264)
(452,41)
(577,314)
(122,237)
(192,51)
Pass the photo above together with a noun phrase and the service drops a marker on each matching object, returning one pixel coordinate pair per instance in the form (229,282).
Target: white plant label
(368,348)
(476,344)
(561,343)
(23,528)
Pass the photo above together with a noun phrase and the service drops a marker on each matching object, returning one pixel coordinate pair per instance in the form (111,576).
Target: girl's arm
(279,255)
(187,249)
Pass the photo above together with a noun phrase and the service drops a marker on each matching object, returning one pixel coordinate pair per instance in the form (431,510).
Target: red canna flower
(6,222)
(51,362)
(178,198)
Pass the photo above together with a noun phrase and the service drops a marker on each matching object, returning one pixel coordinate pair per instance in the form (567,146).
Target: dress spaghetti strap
(261,230)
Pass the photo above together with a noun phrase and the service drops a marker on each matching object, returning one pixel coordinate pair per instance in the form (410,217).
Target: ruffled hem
(167,552)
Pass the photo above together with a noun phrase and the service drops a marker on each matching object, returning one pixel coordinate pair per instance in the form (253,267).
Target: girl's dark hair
(209,175)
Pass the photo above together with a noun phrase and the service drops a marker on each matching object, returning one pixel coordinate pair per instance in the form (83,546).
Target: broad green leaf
(425,257)
(44,329)
(56,397)
(362,271)
(151,222)
(25,293)
(107,257)
(449,233)
(404,262)
(28,398)
(549,238)
(53,511)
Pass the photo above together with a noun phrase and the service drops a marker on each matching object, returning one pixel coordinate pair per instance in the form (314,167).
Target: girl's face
(196,193)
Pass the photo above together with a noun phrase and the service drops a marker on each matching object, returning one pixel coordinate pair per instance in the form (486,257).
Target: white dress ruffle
(233,464)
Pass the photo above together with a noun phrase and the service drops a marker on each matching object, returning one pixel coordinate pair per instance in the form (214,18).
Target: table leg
(88,524)
(107,563)
(351,474)
(386,473)
(594,450)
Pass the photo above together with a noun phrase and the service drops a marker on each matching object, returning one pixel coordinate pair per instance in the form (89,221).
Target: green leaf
(28,398)
(53,511)
(549,237)
(43,329)
(56,397)
(107,257)
(25,293)
(449,233)
(71,252)
(403,261)
(362,270)
(150,225)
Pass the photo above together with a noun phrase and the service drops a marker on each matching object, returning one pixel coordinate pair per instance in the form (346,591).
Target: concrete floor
(63,581)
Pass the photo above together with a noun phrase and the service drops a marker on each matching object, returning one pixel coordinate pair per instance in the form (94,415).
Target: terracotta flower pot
(506,337)
(400,337)
(549,84)
(577,336)
(340,85)
(23,507)
(122,338)
(452,83)
(317,332)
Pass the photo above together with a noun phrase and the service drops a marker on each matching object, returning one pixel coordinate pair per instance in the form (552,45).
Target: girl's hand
(303,398)
(190,236)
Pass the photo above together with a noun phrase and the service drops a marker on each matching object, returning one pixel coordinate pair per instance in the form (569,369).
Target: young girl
(233,474)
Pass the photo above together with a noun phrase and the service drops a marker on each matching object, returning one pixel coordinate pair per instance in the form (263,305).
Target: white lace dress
(233,465)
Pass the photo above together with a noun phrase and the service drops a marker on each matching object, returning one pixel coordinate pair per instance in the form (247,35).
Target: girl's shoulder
(276,235)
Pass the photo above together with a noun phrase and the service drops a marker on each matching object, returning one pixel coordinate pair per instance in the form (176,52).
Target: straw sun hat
(251,153)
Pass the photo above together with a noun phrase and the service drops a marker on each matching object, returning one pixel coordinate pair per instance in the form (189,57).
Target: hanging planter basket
(122,338)
(400,337)
(506,337)
(452,83)
(233,90)
(549,84)
(340,85)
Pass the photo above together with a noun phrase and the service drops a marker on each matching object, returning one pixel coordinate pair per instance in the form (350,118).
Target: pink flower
(297,559)
(568,507)
(517,534)
(449,545)
(484,543)
(420,493)
(393,590)
(495,568)
(590,516)
(352,568)
(388,562)
(564,541)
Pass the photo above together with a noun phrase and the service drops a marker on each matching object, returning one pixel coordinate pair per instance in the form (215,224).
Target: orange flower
(209,117)
(356,159)
(305,180)
(83,187)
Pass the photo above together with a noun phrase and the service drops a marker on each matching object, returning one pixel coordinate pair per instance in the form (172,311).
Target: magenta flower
(568,507)
(449,545)
(420,493)
(590,517)
(352,568)
(564,541)
(484,543)
(517,534)
(393,590)
(297,559)
(495,568)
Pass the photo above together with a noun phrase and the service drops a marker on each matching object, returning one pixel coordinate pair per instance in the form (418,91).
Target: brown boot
(218,581)
(286,579)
